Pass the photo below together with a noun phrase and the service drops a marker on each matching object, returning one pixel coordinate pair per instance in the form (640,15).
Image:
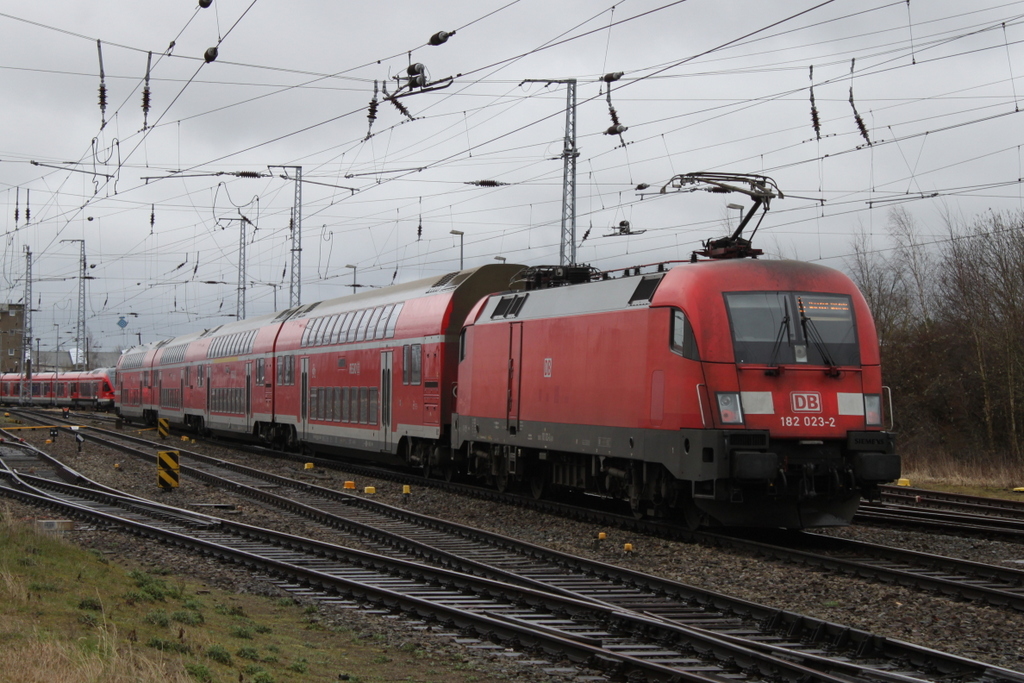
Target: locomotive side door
(515,357)
(387,433)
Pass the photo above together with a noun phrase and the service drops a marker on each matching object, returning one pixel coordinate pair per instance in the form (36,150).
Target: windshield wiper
(812,334)
(773,362)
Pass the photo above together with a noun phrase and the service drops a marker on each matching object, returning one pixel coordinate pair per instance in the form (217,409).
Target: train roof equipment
(761,189)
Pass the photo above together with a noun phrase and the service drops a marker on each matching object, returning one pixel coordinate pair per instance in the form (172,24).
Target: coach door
(304,398)
(386,428)
(515,357)
(248,396)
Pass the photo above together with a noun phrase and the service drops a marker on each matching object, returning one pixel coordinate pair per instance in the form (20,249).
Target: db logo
(806,401)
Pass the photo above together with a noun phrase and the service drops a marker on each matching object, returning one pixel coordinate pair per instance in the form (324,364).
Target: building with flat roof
(12,326)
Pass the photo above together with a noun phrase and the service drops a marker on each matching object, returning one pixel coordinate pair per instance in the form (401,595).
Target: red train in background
(734,392)
(88,389)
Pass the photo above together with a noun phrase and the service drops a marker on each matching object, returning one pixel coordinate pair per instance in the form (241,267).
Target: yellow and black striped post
(168,471)
(163,427)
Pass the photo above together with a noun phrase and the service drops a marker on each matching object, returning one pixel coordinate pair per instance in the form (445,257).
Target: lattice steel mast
(567,253)
(26,332)
(82,350)
(567,243)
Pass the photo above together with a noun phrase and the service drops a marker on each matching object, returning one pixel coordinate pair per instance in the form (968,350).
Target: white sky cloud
(708,86)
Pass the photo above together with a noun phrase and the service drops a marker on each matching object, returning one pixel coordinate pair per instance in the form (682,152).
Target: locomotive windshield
(774,328)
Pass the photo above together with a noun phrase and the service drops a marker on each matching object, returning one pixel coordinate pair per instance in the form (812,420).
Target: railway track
(659,642)
(941,500)
(389,529)
(393,530)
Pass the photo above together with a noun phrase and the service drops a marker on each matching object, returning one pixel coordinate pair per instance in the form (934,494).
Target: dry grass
(998,472)
(39,659)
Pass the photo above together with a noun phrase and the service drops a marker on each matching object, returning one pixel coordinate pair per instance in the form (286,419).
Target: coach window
(371,328)
(331,329)
(363,324)
(373,405)
(353,412)
(393,321)
(364,405)
(353,329)
(260,371)
(462,346)
(682,339)
(341,333)
(382,322)
(344,404)
(412,361)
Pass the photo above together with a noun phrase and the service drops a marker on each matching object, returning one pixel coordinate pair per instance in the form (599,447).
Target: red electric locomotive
(92,389)
(734,392)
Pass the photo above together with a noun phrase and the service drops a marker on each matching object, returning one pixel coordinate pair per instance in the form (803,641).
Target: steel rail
(811,631)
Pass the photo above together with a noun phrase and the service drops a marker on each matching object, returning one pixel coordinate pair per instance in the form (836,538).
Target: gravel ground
(988,634)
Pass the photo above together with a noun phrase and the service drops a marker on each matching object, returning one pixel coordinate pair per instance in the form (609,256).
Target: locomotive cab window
(773,328)
(682,340)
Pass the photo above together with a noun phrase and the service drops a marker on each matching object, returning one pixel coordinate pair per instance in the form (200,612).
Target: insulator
(17,201)
(416,69)
(642,186)
(152,216)
(28,208)
(205,3)
(860,122)
(103,97)
(440,37)
(401,107)
(617,129)
(146,93)
(418,81)
(612,77)
(248,174)
(210,54)
(815,119)
(419,232)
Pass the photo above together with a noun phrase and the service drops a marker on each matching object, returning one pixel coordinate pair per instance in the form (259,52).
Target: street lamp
(461,237)
(738,207)
(353,277)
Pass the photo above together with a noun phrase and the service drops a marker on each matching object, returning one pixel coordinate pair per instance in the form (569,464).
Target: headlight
(873,410)
(729,408)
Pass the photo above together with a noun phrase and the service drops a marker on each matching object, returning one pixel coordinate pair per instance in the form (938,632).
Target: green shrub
(241,632)
(169,646)
(200,672)
(219,654)
(90,603)
(187,617)
(299,666)
(157,617)
(248,653)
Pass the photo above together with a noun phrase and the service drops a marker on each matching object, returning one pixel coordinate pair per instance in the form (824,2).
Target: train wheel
(448,471)
(538,484)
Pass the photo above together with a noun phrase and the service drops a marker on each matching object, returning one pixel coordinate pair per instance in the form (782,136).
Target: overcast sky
(708,85)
